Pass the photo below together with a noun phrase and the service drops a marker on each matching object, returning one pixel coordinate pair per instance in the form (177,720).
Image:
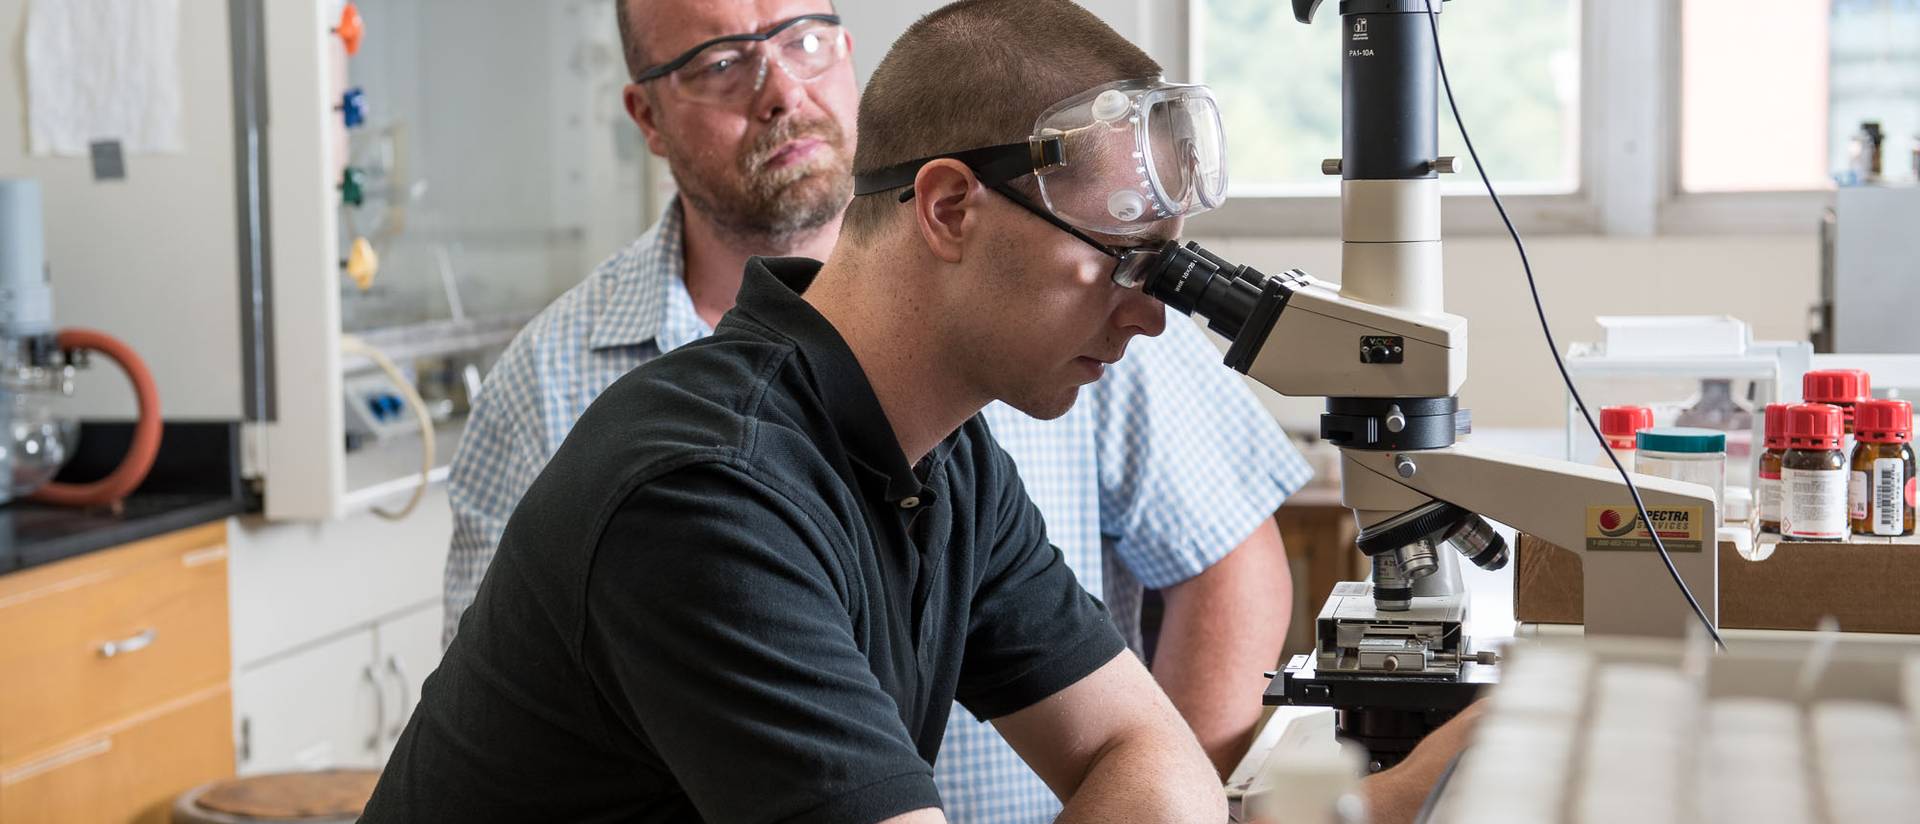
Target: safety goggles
(1115,159)
(728,69)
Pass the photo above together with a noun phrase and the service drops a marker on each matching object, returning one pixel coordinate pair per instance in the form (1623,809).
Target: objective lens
(1476,539)
(1416,560)
(1392,587)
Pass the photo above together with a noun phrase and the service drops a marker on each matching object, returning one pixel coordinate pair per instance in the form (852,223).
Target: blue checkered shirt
(1161,469)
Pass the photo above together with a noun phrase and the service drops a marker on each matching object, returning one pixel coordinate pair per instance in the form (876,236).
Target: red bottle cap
(1884,422)
(1777,425)
(1813,426)
(1836,386)
(1621,423)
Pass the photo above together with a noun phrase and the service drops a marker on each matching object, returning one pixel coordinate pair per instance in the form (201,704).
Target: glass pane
(1753,114)
(1773,103)
(497,165)
(1516,64)
(1875,63)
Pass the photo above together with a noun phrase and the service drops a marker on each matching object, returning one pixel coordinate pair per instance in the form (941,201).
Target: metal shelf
(436,339)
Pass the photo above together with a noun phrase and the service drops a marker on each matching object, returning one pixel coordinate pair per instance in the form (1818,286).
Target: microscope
(1392,655)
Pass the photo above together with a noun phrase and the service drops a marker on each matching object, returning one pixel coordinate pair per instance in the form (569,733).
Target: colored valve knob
(353,107)
(350,29)
(362,263)
(353,187)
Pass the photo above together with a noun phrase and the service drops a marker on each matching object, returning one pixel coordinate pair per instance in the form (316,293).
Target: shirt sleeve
(1033,630)
(717,626)
(1189,460)
(498,458)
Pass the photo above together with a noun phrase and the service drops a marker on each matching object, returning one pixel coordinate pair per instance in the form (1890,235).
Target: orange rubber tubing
(146,432)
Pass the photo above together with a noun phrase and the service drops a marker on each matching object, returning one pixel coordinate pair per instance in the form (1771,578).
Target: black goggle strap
(994,165)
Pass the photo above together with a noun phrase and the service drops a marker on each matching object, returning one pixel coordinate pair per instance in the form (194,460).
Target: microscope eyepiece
(1195,282)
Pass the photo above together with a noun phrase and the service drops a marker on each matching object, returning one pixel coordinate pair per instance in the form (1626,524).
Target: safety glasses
(731,68)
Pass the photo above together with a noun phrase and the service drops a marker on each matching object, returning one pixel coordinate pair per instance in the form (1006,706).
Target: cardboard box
(1872,585)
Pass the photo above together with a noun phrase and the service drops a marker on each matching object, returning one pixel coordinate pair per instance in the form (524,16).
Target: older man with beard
(761,153)
(1166,475)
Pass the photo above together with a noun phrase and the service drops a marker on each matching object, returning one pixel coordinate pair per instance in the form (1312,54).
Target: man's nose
(778,93)
(1140,315)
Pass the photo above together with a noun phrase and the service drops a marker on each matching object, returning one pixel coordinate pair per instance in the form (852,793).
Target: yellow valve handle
(362,263)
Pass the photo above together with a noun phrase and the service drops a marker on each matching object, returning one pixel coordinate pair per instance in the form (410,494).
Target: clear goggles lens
(730,70)
(1135,154)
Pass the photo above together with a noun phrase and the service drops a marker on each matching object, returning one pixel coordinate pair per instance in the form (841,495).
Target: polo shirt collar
(649,302)
(770,296)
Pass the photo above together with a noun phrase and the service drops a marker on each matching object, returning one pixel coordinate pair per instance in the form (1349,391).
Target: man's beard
(774,205)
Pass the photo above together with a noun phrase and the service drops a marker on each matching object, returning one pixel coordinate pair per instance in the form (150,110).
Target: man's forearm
(1223,629)
(1149,778)
(1396,795)
(1114,749)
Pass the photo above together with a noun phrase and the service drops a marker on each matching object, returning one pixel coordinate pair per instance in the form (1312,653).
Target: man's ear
(946,205)
(643,112)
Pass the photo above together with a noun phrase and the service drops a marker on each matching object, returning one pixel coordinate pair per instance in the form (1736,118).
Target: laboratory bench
(114,637)
(195,480)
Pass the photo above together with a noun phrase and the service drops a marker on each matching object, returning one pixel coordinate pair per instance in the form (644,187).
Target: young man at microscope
(756,601)
(1166,473)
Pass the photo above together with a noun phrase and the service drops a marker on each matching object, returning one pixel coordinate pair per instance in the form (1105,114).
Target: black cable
(1554,348)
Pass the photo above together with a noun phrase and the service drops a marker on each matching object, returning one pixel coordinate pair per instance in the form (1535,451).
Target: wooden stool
(321,797)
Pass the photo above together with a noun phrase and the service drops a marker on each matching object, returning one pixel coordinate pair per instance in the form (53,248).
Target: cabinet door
(324,706)
(97,639)
(298,584)
(127,773)
(409,648)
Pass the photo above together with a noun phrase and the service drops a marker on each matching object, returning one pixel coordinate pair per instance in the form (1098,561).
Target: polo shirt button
(909,502)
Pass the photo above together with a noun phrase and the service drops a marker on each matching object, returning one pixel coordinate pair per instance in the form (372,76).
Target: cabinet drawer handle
(406,697)
(130,644)
(379,707)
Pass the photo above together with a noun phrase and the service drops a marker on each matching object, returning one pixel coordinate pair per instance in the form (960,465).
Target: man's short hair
(979,73)
(629,38)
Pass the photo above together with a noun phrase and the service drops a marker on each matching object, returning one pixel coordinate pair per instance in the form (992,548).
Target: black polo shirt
(729,598)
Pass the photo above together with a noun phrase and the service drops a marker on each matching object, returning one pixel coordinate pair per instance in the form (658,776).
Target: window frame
(1630,103)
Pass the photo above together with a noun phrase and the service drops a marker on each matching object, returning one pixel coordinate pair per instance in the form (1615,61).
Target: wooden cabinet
(1319,535)
(114,696)
(130,772)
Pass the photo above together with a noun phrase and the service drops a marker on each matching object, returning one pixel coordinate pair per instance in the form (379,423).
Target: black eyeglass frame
(996,166)
(687,56)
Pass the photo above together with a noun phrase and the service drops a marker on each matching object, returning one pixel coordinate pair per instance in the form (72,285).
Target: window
(1773,91)
(1515,63)
(1875,76)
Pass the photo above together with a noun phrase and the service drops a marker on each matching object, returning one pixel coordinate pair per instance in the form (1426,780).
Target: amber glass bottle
(1768,493)
(1881,490)
(1813,476)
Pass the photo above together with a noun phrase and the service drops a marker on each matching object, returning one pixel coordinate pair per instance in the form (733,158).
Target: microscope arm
(1628,592)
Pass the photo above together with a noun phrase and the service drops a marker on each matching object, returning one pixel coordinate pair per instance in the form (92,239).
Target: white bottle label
(1889,496)
(1857,495)
(1769,499)
(1813,503)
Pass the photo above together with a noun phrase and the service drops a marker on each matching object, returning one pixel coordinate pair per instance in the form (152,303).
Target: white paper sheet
(103,70)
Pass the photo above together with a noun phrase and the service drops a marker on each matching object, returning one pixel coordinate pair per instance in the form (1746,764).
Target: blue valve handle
(353,107)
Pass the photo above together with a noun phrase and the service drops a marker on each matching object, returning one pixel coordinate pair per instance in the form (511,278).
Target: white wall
(152,259)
